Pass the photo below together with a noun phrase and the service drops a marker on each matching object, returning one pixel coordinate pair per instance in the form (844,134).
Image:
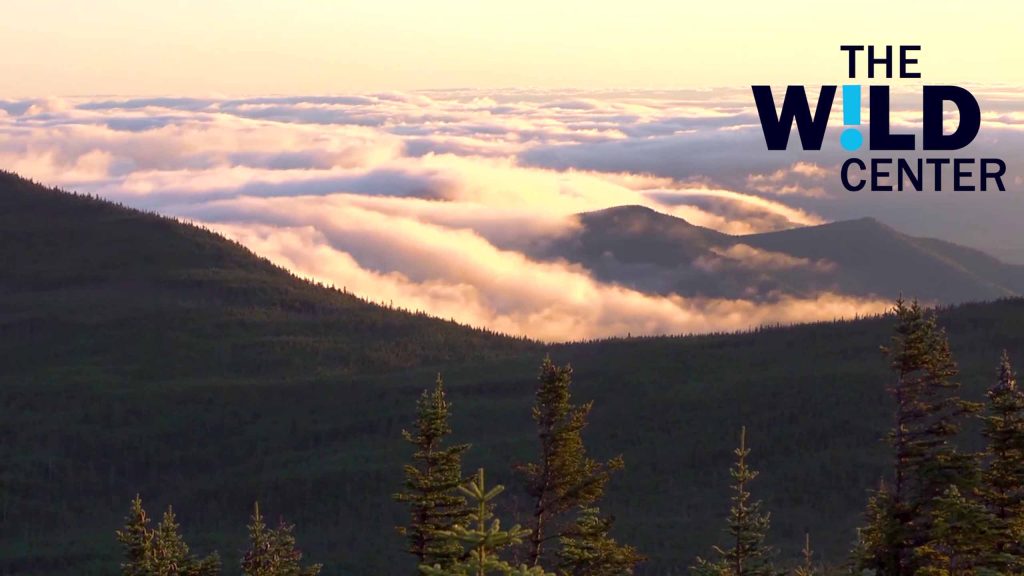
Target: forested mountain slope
(89,285)
(143,355)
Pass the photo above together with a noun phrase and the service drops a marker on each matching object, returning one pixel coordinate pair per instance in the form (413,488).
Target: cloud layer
(431,201)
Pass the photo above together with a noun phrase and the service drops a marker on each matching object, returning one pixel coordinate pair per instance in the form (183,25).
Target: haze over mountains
(654,252)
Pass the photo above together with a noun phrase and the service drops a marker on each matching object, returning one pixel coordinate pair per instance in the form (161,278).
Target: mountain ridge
(664,254)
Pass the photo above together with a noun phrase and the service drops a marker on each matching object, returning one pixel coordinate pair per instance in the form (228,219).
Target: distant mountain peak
(870,221)
(632,211)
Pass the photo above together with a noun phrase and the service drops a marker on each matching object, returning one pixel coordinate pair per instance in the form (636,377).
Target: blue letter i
(851,138)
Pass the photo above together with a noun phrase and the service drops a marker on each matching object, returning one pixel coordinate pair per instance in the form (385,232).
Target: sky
(256,47)
(418,153)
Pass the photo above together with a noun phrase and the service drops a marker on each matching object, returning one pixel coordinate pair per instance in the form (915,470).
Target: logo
(881,173)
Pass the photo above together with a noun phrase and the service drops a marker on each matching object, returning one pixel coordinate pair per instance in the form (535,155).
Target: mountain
(143,355)
(655,252)
(137,285)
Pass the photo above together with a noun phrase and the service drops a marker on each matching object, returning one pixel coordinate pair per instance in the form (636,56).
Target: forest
(145,356)
(941,510)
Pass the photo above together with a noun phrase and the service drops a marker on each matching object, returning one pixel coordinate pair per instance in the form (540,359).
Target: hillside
(144,355)
(88,285)
(655,252)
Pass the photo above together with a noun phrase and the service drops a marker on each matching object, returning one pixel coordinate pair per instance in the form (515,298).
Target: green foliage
(432,483)
(588,550)
(136,539)
(959,540)
(564,477)
(1002,488)
(483,537)
(928,418)
(747,527)
(881,540)
(161,551)
(272,552)
(705,567)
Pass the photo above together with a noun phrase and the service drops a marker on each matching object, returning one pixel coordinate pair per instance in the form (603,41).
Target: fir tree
(484,538)
(564,478)
(747,528)
(432,482)
(1002,487)
(273,552)
(588,550)
(928,417)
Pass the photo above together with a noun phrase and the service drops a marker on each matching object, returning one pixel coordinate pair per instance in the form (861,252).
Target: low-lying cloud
(432,201)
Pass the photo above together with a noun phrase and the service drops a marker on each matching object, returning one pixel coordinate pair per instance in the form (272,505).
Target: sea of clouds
(426,200)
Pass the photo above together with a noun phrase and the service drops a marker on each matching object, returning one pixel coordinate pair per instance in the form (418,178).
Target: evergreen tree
(484,538)
(960,540)
(160,551)
(273,552)
(136,538)
(747,528)
(806,567)
(588,550)
(565,477)
(171,556)
(432,482)
(1002,487)
(880,541)
(928,417)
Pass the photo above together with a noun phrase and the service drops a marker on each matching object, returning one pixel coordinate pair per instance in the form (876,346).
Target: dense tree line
(942,510)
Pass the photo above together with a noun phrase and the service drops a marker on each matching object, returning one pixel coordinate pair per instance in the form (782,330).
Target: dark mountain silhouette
(143,355)
(651,251)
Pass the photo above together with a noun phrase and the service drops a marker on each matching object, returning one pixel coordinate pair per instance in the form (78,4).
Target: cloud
(508,292)
(801,179)
(434,200)
(751,258)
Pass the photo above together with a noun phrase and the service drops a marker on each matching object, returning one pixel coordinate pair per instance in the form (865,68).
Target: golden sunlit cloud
(445,202)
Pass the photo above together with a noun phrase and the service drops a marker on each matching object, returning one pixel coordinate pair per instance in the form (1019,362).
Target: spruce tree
(588,550)
(747,527)
(273,552)
(928,417)
(432,482)
(136,539)
(1002,487)
(171,556)
(160,551)
(959,542)
(483,537)
(879,542)
(564,478)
